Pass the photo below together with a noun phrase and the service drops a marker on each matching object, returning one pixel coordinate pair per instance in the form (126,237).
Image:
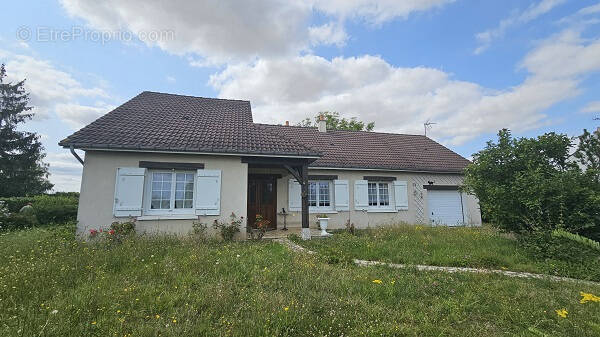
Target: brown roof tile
(374,150)
(165,122)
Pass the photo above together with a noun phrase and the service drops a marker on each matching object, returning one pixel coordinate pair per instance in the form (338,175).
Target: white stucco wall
(99,174)
(98,188)
(417,212)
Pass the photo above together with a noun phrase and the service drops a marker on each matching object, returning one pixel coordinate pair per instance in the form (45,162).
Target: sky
(471,67)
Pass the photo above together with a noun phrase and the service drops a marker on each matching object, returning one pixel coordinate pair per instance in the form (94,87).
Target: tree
(22,171)
(334,122)
(587,154)
(532,183)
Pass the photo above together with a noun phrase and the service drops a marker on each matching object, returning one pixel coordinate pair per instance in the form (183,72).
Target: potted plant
(261,225)
(323,221)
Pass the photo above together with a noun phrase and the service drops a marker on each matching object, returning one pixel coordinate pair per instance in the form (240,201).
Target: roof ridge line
(191,96)
(340,130)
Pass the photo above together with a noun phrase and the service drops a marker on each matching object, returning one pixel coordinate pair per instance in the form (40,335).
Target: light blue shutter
(208,192)
(401,195)
(342,197)
(294,196)
(361,195)
(129,188)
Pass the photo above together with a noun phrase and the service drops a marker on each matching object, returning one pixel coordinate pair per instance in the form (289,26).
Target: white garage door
(445,207)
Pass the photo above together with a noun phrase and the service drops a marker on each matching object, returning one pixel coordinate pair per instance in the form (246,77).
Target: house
(169,160)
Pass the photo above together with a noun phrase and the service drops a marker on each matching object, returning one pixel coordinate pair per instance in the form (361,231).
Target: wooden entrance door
(262,199)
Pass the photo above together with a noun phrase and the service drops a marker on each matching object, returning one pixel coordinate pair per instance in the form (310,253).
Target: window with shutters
(379,195)
(169,192)
(319,196)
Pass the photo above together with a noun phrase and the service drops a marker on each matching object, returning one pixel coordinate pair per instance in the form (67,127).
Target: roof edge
(249,154)
(356,168)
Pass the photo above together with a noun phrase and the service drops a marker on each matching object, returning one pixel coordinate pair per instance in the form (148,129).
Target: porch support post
(304,193)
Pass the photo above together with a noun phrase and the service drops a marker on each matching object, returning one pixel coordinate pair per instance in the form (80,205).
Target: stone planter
(323,222)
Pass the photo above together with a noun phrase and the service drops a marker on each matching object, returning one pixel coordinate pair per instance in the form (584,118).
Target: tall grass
(478,247)
(53,285)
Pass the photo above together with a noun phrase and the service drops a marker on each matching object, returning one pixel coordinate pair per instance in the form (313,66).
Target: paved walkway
(293,246)
(364,263)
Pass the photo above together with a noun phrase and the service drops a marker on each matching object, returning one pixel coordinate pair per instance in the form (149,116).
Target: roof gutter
(382,170)
(202,153)
(75,155)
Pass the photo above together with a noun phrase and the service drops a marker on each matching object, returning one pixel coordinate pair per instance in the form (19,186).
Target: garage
(445,206)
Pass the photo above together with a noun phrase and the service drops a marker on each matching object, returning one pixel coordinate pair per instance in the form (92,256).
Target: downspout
(76,155)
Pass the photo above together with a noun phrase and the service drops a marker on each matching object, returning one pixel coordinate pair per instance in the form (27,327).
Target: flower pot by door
(323,222)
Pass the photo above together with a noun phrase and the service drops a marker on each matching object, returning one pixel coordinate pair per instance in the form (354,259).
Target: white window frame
(322,209)
(172,210)
(390,206)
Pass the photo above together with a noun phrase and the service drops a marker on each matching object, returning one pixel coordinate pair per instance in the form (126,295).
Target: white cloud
(48,86)
(582,16)
(594,9)
(330,33)
(564,55)
(227,30)
(377,12)
(401,99)
(171,79)
(591,107)
(78,116)
(531,13)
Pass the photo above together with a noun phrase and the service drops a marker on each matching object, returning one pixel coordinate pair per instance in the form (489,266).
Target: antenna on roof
(427,125)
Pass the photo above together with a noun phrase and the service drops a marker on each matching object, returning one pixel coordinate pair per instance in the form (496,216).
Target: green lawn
(479,247)
(53,285)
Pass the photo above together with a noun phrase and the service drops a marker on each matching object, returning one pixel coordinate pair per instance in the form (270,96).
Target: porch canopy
(298,168)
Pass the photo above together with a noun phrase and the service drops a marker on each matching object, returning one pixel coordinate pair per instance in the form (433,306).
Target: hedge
(47,209)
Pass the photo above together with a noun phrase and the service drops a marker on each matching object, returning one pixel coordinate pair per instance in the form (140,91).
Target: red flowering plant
(117,231)
(261,225)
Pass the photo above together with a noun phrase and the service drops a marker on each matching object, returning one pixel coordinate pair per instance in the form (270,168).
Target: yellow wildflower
(157,316)
(393,282)
(286,308)
(562,313)
(587,297)
(377,281)
(94,323)
(174,321)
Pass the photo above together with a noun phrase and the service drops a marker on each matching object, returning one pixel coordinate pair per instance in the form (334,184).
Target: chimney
(287,123)
(322,124)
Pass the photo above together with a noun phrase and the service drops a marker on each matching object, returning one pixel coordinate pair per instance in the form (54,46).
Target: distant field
(53,285)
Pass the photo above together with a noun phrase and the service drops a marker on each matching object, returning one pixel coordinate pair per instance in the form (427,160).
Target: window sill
(167,217)
(382,210)
(316,211)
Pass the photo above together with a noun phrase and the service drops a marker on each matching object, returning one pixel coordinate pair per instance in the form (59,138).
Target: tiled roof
(374,150)
(166,122)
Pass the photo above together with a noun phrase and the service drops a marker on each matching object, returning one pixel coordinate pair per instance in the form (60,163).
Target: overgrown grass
(53,285)
(479,247)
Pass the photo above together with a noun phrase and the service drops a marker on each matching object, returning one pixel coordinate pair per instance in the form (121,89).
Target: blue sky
(472,67)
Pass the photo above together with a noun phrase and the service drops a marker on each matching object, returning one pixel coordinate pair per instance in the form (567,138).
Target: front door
(262,199)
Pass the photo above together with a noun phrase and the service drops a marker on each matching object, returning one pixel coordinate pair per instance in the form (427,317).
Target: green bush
(579,261)
(577,238)
(14,221)
(48,208)
(526,184)
(228,230)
